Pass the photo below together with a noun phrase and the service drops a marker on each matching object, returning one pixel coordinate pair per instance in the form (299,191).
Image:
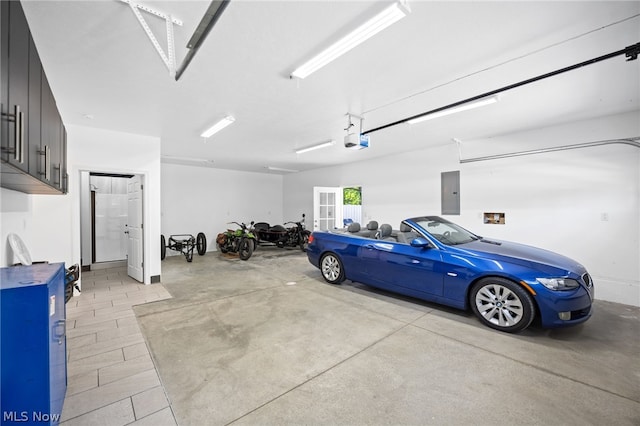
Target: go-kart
(184,243)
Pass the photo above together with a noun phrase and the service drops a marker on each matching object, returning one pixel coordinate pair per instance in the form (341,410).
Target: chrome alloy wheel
(499,305)
(332,270)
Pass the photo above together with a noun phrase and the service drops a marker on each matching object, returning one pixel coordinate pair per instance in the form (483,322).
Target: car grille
(587,280)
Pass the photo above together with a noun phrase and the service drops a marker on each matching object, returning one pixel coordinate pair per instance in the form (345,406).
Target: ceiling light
(384,19)
(185,159)
(218,126)
(280,169)
(469,105)
(314,147)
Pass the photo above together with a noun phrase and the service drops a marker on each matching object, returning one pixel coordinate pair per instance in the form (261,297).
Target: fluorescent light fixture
(170,158)
(218,126)
(280,169)
(464,107)
(314,147)
(384,19)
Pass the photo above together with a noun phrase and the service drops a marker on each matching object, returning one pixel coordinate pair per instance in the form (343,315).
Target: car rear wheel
(502,304)
(331,268)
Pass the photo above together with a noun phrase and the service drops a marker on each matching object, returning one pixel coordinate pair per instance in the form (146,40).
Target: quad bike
(184,244)
(278,235)
(241,241)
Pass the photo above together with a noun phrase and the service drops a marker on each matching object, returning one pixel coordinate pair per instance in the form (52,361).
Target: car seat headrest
(385,230)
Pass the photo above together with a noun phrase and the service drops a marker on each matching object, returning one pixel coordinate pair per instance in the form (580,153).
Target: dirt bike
(241,241)
(280,236)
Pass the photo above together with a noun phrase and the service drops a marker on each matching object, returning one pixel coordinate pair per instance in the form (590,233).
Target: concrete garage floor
(267,341)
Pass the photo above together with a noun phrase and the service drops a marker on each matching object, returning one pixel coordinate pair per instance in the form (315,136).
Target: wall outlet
(604,217)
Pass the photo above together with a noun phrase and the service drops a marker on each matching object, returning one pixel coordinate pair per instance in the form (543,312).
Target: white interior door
(327,208)
(134,229)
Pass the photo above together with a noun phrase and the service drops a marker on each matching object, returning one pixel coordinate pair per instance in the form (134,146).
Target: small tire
(201,243)
(332,269)
(163,247)
(245,249)
(189,255)
(502,304)
(304,240)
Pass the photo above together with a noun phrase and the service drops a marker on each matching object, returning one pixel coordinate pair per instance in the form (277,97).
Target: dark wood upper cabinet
(33,137)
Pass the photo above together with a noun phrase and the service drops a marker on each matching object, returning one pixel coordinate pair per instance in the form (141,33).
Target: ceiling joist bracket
(168,58)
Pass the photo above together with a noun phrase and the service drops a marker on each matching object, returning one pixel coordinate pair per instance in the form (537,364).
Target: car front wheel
(502,304)
(331,268)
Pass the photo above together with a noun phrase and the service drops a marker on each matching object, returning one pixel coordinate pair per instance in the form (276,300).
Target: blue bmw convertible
(505,284)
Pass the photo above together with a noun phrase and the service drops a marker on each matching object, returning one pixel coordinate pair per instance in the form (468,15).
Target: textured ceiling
(100,63)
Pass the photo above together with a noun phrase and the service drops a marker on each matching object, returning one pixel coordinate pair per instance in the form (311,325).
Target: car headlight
(558,283)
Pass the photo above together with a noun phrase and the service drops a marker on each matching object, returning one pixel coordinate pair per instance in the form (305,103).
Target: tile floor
(111,377)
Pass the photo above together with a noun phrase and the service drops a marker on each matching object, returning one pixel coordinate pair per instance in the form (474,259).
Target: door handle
(47,162)
(59,169)
(19,140)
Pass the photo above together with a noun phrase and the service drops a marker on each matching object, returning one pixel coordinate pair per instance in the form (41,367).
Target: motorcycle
(241,241)
(280,236)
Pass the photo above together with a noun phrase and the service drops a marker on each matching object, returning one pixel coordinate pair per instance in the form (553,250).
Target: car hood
(533,257)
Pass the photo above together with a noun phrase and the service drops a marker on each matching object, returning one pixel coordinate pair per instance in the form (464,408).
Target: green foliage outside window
(352,196)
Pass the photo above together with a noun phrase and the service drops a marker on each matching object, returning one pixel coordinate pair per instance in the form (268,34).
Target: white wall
(50,224)
(203,199)
(583,203)
(16,210)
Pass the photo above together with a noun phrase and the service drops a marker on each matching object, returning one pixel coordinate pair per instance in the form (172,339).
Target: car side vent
(587,280)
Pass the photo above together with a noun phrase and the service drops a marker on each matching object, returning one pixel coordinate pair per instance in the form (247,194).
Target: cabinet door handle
(18,138)
(47,162)
(20,151)
(59,169)
(16,134)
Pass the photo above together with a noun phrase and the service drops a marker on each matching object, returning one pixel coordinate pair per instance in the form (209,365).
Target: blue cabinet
(33,346)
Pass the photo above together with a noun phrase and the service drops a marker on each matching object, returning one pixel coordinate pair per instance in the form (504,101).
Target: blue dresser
(33,343)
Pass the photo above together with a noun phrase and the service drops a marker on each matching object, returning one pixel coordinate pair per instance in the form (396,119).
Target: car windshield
(444,231)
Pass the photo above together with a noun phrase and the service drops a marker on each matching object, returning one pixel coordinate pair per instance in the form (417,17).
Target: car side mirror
(420,242)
